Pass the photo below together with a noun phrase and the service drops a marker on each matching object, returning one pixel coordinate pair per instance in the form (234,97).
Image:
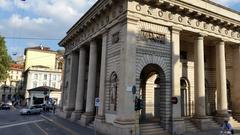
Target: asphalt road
(12,123)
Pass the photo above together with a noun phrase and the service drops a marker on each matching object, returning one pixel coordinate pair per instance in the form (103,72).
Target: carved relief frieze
(186,21)
(152,36)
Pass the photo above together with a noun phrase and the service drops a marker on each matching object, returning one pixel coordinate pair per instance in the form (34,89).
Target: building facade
(39,95)
(12,86)
(43,67)
(186,51)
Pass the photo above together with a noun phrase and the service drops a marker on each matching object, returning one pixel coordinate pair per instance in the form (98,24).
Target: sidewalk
(212,132)
(70,125)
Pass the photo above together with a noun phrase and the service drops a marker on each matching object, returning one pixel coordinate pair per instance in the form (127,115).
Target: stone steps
(90,125)
(190,127)
(235,124)
(213,124)
(152,129)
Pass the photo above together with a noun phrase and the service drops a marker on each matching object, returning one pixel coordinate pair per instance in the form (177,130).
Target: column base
(76,115)
(67,112)
(178,127)
(202,122)
(99,118)
(86,118)
(125,126)
(221,116)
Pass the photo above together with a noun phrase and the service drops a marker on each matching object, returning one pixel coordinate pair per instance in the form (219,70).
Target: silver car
(31,110)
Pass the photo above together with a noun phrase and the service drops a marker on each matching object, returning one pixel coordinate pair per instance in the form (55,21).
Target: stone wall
(112,64)
(151,50)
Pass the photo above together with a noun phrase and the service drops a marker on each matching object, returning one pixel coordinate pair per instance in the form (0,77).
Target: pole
(49,87)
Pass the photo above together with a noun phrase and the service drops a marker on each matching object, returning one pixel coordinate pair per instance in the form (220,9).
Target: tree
(5,60)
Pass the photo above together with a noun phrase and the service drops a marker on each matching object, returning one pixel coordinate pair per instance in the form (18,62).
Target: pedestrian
(226,128)
(54,109)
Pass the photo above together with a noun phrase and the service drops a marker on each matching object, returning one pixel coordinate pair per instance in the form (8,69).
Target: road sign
(97,101)
(174,100)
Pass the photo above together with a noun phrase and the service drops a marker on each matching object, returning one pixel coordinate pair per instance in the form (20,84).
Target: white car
(31,110)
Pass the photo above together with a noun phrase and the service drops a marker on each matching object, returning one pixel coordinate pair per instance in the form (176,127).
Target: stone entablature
(108,15)
(178,12)
(204,9)
(187,19)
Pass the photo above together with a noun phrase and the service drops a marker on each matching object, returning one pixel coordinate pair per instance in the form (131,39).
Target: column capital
(176,29)
(222,42)
(133,20)
(105,31)
(202,35)
(93,42)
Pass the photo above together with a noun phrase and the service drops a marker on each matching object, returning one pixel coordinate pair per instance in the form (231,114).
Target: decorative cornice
(183,19)
(86,19)
(187,9)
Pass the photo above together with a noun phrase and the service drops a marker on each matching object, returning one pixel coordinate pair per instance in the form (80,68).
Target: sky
(28,23)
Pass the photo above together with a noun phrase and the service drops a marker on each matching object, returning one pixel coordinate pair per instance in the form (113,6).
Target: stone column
(199,78)
(102,77)
(80,85)
(178,123)
(91,85)
(222,105)
(63,84)
(199,82)
(236,78)
(71,90)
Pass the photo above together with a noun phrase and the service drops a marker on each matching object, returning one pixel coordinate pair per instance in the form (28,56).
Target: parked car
(5,106)
(39,107)
(30,110)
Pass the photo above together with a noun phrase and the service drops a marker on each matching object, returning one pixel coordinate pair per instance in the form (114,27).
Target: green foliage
(5,60)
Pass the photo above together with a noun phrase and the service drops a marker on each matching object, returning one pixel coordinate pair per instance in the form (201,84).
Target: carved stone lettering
(160,13)
(138,7)
(180,19)
(205,25)
(212,28)
(170,16)
(197,23)
(189,21)
(150,10)
(226,32)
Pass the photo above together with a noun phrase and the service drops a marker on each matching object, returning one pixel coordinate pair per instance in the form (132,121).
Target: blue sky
(47,21)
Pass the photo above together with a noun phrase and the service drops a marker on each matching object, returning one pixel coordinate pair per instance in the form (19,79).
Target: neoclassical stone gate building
(189,50)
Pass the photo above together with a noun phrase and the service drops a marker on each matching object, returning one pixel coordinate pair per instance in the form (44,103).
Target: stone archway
(152,88)
(163,66)
(185,98)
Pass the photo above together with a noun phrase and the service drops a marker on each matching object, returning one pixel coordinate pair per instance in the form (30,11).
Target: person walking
(226,128)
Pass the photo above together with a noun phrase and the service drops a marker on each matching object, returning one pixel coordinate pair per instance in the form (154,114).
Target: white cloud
(6,4)
(18,21)
(41,18)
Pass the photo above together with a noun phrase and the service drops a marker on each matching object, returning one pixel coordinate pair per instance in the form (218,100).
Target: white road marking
(41,128)
(60,125)
(21,123)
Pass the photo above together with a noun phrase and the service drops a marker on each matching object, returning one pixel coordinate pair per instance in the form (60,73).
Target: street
(12,123)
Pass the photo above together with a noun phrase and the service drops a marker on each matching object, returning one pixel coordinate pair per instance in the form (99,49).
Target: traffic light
(138,104)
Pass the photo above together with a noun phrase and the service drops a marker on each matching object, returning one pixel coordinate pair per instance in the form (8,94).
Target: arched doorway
(185,98)
(152,88)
